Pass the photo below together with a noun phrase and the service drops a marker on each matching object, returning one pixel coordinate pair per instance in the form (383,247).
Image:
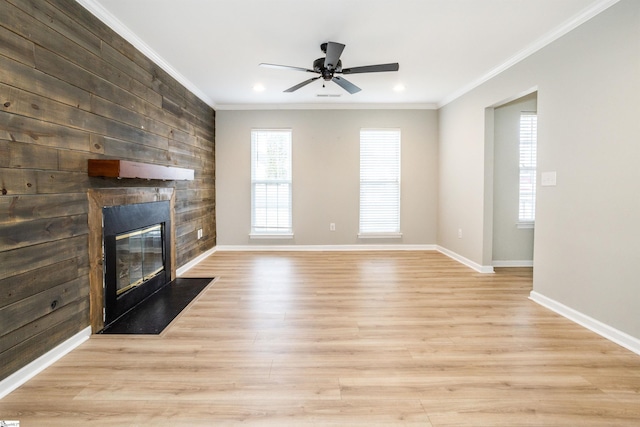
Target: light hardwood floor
(349,338)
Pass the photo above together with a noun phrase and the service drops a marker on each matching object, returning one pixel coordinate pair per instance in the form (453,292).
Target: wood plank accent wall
(72,89)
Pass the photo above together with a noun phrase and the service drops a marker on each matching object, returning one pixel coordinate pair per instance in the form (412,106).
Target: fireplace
(116,200)
(137,244)
(132,261)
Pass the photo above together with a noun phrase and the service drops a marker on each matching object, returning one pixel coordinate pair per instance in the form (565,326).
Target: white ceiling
(444,47)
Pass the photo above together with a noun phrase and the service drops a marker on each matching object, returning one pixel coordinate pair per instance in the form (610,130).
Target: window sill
(525,225)
(379,235)
(271,236)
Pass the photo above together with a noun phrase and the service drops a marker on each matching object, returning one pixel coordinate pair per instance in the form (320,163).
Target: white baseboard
(180,271)
(486,269)
(513,263)
(602,329)
(293,248)
(320,248)
(24,374)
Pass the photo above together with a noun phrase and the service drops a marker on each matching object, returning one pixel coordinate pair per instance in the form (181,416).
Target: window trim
(395,234)
(532,140)
(523,225)
(384,235)
(286,233)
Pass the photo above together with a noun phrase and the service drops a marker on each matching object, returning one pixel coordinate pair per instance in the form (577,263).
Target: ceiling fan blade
(299,85)
(285,67)
(346,85)
(334,50)
(372,68)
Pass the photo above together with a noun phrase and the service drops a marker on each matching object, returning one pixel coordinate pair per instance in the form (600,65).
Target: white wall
(510,244)
(326,174)
(587,254)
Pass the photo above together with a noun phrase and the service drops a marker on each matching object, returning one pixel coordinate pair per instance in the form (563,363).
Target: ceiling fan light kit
(330,65)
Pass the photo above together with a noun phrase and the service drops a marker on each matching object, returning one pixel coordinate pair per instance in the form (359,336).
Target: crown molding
(547,39)
(123,31)
(373,106)
(116,25)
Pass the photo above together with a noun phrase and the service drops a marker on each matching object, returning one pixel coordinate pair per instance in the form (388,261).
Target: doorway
(514,181)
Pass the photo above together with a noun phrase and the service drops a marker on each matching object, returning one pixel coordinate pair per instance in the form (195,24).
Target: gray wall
(326,173)
(586,252)
(510,243)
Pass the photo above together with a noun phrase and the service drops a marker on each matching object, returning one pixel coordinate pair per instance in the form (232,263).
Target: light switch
(548,179)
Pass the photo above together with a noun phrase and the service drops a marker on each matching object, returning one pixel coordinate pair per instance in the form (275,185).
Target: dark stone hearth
(155,313)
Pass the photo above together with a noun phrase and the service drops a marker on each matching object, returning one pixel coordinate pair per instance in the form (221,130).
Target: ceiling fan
(331,65)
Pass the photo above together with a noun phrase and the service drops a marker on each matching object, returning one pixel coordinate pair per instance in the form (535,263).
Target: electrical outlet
(459,233)
(548,179)
(332,226)
(199,233)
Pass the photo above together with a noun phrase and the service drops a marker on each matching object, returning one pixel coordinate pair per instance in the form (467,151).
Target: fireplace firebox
(137,241)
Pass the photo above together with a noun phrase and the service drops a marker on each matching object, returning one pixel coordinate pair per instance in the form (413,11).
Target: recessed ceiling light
(258,87)
(399,87)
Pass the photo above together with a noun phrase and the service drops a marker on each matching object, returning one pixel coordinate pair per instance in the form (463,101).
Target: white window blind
(271,181)
(379,181)
(528,153)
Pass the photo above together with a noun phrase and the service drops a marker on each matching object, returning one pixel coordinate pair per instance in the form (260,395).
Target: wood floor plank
(351,338)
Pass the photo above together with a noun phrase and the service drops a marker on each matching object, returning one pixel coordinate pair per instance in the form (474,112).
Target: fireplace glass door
(139,257)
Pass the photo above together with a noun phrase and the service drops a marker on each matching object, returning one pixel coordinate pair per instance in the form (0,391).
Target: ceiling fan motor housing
(327,73)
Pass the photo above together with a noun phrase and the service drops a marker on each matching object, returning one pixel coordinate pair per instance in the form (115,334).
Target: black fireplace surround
(137,244)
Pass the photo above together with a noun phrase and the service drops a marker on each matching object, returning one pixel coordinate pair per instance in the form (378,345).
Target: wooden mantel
(129,169)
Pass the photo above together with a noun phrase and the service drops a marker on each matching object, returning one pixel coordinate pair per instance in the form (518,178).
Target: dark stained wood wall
(71,89)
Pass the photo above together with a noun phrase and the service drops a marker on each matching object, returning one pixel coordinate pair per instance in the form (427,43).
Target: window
(271,182)
(528,143)
(379,183)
